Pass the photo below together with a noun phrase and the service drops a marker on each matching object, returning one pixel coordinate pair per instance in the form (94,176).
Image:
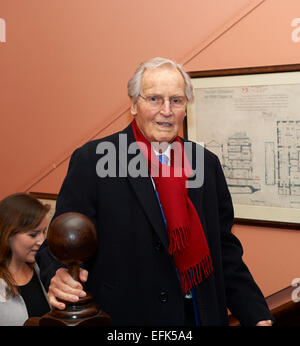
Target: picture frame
(46,198)
(250,118)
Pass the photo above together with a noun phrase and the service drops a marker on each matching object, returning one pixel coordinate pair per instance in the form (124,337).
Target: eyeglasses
(157,101)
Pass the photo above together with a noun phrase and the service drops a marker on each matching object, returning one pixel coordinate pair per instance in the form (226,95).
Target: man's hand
(64,287)
(264,323)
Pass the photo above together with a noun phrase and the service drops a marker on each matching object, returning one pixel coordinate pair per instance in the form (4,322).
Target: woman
(23,225)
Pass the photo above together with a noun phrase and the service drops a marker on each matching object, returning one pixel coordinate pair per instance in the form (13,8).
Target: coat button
(163,297)
(158,245)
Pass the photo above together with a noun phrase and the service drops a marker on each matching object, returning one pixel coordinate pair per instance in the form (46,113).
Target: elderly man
(166,254)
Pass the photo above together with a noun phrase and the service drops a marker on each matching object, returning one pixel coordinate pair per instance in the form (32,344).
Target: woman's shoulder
(12,309)
(3,291)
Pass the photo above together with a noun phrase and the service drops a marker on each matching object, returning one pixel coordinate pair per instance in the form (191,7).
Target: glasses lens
(155,100)
(177,101)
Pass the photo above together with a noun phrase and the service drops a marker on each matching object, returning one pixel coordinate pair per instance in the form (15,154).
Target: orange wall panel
(65,65)
(64,69)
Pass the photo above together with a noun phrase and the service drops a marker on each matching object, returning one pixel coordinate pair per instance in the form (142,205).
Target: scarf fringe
(179,239)
(193,276)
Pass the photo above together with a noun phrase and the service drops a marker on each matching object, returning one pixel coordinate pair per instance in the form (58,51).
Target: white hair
(134,84)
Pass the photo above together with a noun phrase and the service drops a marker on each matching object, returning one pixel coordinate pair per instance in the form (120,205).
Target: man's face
(160,124)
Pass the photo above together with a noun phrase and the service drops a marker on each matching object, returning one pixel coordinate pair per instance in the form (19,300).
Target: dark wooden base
(100,319)
(82,313)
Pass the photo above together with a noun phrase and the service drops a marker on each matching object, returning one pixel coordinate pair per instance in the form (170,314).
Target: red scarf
(188,244)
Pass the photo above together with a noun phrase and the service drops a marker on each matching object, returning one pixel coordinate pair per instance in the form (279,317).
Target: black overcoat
(132,277)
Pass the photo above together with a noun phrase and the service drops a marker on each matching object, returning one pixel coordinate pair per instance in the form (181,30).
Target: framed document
(250,118)
(46,198)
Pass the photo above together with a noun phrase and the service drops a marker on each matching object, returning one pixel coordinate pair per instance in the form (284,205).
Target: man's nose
(166,108)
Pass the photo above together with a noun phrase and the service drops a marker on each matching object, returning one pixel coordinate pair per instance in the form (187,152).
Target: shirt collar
(167,152)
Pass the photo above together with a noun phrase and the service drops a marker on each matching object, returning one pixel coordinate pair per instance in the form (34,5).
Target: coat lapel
(145,193)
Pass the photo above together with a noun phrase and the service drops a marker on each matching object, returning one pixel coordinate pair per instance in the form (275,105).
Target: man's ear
(133,108)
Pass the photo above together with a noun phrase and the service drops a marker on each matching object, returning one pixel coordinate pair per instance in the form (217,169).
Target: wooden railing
(285,311)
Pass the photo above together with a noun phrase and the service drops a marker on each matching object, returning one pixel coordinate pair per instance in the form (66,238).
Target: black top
(34,297)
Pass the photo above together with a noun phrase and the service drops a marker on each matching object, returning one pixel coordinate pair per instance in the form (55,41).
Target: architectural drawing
(288,139)
(285,160)
(282,161)
(255,132)
(236,160)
